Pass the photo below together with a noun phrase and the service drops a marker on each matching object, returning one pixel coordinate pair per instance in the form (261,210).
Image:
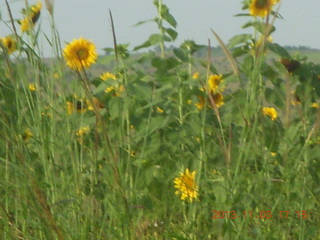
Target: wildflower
(218,99)
(296,99)
(315,105)
(107,75)
(213,82)
(47,112)
(109,89)
(119,90)
(159,110)
(189,101)
(70,107)
(36,8)
(9,43)
(186,185)
(270,112)
(116,90)
(81,106)
(79,54)
(31,17)
(201,102)
(290,64)
(273,154)
(195,75)
(32,87)
(56,75)
(261,8)
(27,135)
(95,102)
(82,131)
(26,25)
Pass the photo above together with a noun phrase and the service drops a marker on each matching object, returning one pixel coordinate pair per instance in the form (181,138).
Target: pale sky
(90,19)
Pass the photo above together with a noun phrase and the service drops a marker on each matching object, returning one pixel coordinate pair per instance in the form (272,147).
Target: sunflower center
(262,4)
(9,44)
(188,182)
(82,53)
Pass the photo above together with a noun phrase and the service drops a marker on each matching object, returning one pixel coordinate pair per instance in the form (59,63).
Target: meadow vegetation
(163,144)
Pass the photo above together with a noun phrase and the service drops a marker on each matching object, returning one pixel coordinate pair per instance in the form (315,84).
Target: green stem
(161,28)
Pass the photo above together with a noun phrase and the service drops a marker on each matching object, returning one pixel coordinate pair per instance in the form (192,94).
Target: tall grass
(82,157)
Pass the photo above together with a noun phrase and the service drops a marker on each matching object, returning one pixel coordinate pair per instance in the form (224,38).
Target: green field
(159,142)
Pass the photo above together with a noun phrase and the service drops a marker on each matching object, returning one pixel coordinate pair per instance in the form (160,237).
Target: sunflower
(213,82)
(290,64)
(79,54)
(27,135)
(95,103)
(31,17)
(9,43)
(218,99)
(69,107)
(270,112)
(159,110)
(201,102)
(32,87)
(107,75)
(186,185)
(82,131)
(195,75)
(261,8)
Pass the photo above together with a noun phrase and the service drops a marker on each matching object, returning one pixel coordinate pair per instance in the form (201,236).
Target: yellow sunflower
(27,135)
(159,110)
(270,112)
(218,99)
(79,54)
(201,102)
(195,75)
(82,131)
(261,8)
(186,185)
(32,87)
(31,17)
(69,107)
(9,43)
(26,24)
(107,75)
(213,82)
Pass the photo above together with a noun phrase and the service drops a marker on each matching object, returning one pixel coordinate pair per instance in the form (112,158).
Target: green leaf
(113,106)
(101,87)
(239,39)
(277,49)
(275,96)
(164,64)
(166,15)
(172,33)
(143,45)
(157,123)
(153,40)
(260,27)
(143,22)
(180,54)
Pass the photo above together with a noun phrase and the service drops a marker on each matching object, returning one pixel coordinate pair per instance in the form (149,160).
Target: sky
(90,19)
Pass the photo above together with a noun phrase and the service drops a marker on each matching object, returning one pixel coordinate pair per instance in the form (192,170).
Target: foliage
(95,155)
